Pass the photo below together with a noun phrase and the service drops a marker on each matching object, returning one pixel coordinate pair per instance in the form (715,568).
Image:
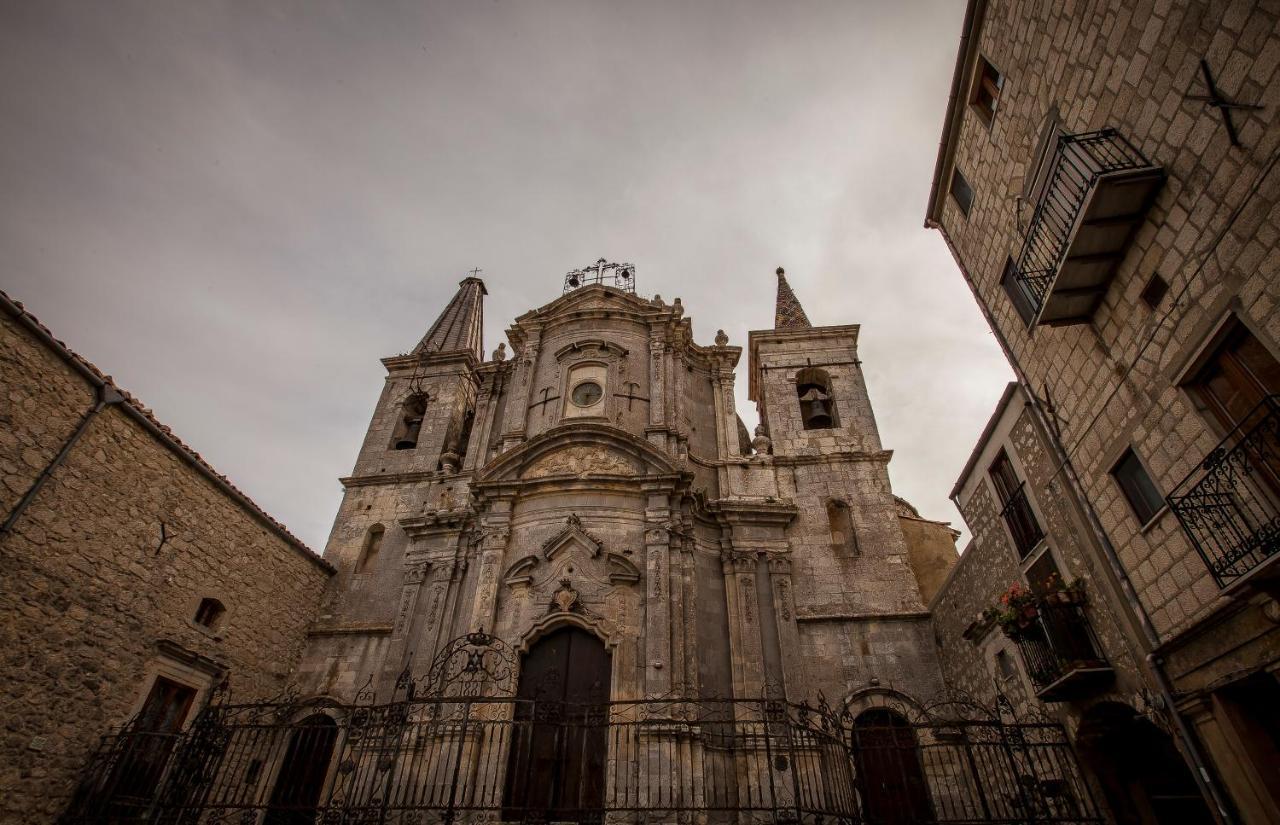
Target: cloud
(237,208)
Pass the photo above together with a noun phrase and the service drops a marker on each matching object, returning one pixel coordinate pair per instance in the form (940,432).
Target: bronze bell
(573,280)
(815,408)
(412,427)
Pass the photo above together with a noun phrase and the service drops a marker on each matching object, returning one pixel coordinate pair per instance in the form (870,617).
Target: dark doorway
(303,771)
(155,733)
(559,745)
(1143,776)
(889,773)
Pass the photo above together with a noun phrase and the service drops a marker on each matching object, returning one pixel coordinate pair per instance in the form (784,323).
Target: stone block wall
(990,564)
(95,601)
(1211,234)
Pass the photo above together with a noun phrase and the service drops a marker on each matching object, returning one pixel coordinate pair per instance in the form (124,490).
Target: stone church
(596,493)
(565,584)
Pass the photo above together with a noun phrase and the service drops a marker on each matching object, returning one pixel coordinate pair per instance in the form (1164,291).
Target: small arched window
(372,547)
(209,613)
(844,539)
(817,402)
(409,425)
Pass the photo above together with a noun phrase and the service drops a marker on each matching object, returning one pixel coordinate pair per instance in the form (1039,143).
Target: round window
(586,394)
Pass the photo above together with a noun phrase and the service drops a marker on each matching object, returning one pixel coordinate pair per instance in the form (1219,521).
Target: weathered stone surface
(95,600)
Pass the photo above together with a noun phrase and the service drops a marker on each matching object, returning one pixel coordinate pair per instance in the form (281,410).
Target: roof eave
(969,31)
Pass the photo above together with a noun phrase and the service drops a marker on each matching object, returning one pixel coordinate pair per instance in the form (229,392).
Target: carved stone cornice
(439,522)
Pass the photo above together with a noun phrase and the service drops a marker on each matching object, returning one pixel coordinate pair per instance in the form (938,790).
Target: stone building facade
(599,478)
(1116,221)
(133,577)
(1079,658)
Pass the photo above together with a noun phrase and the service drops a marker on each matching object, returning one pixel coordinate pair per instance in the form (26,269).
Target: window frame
(964,207)
(1022,303)
(979,83)
(1159,505)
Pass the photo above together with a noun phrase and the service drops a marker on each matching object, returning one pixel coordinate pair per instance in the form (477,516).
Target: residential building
(1106,183)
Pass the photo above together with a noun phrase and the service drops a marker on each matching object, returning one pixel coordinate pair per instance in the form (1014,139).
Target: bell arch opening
(817,401)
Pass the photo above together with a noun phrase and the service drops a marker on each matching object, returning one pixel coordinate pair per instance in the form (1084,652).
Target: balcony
(1098,190)
(1229,506)
(1061,652)
(1024,528)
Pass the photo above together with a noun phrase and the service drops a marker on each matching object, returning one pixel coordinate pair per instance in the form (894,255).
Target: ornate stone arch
(602,629)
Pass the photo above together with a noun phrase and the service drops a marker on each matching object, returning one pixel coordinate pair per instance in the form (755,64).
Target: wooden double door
(556,769)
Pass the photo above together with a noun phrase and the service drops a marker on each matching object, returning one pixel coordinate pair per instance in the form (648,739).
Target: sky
(237,208)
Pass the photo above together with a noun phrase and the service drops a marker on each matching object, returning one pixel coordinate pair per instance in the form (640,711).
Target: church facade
(599,479)
(565,584)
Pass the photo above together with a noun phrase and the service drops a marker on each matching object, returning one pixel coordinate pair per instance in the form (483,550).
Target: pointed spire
(461,325)
(788,314)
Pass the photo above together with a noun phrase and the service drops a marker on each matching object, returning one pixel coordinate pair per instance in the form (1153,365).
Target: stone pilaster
(784,607)
(496,533)
(516,419)
(742,599)
(657,631)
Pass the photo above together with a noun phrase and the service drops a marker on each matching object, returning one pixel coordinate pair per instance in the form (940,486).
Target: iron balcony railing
(1229,506)
(1022,522)
(1075,166)
(1057,644)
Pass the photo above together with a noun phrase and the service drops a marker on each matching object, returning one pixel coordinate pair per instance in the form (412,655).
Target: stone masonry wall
(1211,235)
(990,565)
(89,594)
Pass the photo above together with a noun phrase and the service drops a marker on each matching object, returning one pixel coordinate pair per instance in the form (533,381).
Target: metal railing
(480,759)
(1020,518)
(1059,641)
(1229,506)
(1075,166)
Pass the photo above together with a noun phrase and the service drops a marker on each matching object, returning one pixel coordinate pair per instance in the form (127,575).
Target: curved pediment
(579,450)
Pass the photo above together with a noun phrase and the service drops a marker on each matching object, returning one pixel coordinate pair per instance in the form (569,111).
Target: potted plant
(1019,608)
(1057,592)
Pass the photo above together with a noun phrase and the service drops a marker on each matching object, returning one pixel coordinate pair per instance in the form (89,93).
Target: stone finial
(657,299)
(677,309)
(788,313)
(500,354)
(762,444)
(722,340)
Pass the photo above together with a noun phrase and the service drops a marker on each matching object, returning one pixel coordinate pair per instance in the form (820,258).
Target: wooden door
(149,744)
(559,747)
(889,773)
(1237,377)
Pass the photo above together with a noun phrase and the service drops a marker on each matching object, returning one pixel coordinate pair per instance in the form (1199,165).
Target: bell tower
(423,418)
(808,385)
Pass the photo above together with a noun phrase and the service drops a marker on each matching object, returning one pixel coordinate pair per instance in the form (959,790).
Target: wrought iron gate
(448,755)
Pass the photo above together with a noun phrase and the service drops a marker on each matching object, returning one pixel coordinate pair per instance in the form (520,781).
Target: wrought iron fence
(1229,506)
(456,746)
(1075,166)
(1020,518)
(1060,640)
(473,759)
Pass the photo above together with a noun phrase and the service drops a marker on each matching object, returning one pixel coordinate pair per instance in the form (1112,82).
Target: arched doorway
(892,782)
(302,773)
(1144,777)
(559,744)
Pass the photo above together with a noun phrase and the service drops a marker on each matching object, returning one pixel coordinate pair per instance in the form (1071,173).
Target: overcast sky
(236,208)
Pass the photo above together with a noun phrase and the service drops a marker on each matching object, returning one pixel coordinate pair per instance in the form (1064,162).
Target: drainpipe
(1204,779)
(107,395)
